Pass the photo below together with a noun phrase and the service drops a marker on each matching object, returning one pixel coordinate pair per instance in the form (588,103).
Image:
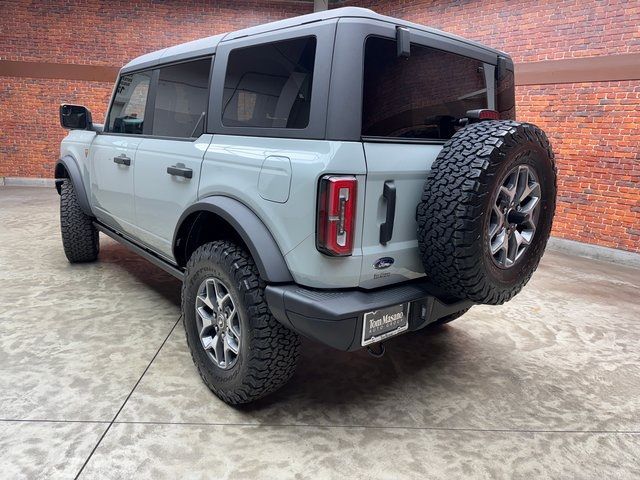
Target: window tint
(422,96)
(127,111)
(181,99)
(269,85)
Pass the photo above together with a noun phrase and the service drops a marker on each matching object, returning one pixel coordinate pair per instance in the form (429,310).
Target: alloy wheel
(218,323)
(514,216)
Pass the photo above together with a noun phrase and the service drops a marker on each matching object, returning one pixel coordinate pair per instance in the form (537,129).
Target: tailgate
(404,166)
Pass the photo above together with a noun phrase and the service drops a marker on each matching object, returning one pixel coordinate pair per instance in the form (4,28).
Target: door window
(127,110)
(422,96)
(269,85)
(181,99)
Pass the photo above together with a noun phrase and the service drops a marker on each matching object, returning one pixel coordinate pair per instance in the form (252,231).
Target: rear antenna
(379,353)
(403,42)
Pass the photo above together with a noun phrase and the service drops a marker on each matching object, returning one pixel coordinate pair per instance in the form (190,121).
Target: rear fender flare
(253,232)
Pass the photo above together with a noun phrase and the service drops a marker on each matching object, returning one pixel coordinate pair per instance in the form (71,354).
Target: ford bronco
(343,175)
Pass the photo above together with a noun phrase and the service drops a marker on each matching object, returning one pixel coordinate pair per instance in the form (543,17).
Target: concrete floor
(95,377)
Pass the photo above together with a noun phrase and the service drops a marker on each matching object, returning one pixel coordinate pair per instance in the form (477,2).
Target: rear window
(269,85)
(422,96)
(181,99)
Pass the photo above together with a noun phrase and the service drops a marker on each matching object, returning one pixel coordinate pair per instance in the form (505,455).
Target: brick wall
(30,131)
(595,126)
(91,32)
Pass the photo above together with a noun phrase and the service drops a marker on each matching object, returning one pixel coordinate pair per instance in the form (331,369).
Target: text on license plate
(384,323)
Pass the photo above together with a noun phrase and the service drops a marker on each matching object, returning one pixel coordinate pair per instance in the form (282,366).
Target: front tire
(240,350)
(79,236)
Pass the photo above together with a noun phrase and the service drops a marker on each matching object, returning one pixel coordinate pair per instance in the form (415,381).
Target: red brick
(594,127)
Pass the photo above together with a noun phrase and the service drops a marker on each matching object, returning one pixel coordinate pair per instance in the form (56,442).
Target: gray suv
(343,175)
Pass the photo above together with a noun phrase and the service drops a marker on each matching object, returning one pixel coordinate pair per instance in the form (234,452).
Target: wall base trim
(26,182)
(555,244)
(595,252)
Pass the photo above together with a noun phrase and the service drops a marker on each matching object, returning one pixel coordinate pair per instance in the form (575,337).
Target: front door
(112,154)
(111,159)
(168,162)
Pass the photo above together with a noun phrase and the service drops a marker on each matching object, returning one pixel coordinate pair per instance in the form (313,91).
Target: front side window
(181,99)
(269,85)
(127,110)
(423,96)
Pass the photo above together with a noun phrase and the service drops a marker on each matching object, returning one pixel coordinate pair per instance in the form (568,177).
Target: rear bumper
(335,317)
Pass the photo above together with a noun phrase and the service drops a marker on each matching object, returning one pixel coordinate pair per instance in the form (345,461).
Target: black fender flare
(67,167)
(257,237)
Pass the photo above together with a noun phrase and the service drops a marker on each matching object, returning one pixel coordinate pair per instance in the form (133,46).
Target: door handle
(389,194)
(122,159)
(180,170)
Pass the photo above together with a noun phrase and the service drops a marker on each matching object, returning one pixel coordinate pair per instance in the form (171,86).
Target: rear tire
(80,238)
(474,214)
(266,351)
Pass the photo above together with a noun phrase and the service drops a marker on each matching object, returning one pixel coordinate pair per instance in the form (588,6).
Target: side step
(143,252)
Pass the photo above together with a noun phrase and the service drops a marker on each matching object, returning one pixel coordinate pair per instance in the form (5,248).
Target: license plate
(384,323)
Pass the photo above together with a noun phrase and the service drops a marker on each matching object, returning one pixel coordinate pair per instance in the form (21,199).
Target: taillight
(489,115)
(336,215)
(482,114)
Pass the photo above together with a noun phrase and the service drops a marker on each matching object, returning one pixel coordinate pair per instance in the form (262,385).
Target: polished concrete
(95,377)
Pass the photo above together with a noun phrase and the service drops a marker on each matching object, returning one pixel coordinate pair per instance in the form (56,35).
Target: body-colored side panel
(232,168)
(112,196)
(161,197)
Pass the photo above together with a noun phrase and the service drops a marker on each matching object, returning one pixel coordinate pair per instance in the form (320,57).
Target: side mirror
(75,117)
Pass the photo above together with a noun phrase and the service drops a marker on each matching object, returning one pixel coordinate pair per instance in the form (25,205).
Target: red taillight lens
(336,215)
(489,115)
(482,114)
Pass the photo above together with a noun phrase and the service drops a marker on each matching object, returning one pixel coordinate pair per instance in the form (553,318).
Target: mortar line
(126,400)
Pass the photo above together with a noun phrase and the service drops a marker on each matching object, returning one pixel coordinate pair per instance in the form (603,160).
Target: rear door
(411,106)
(112,153)
(168,162)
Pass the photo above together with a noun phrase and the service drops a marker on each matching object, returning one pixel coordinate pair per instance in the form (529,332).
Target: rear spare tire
(486,210)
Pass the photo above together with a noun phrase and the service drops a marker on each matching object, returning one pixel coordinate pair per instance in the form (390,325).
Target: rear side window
(422,96)
(127,110)
(269,85)
(181,99)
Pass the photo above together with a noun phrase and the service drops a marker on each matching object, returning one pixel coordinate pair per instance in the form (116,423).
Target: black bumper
(334,317)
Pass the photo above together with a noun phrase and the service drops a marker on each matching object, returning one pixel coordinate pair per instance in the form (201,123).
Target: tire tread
(452,208)
(80,238)
(274,349)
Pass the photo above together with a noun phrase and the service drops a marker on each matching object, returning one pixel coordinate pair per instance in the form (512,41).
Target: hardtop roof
(208,45)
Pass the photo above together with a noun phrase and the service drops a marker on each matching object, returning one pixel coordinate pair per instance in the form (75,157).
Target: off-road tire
(454,211)
(268,350)
(80,238)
